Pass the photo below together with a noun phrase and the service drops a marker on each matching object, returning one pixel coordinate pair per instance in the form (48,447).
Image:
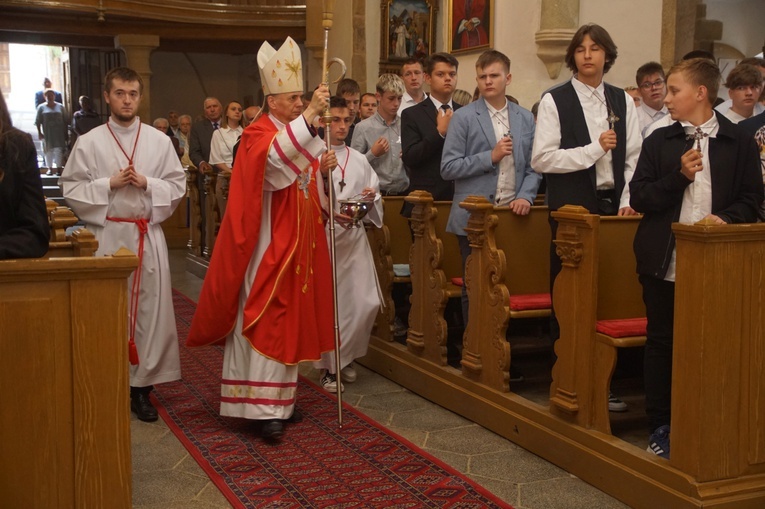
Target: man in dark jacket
(700,167)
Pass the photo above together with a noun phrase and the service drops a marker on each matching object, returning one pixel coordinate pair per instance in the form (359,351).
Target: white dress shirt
(407,102)
(439,111)
(548,157)
(697,197)
(500,121)
(222,145)
(648,115)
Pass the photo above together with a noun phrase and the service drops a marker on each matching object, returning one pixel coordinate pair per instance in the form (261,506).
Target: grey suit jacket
(467,157)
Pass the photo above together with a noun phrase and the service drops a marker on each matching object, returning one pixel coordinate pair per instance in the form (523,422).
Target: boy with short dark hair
(368,106)
(744,85)
(358,296)
(701,166)
(652,86)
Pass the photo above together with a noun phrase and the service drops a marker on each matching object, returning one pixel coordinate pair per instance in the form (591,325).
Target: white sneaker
(348,373)
(615,404)
(329,382)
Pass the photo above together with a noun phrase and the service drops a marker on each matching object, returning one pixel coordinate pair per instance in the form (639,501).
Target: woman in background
(222,150)
(24,226)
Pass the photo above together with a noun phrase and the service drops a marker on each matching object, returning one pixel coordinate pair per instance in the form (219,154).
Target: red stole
(288,315)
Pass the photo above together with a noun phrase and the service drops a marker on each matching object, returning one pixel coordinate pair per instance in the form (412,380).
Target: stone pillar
(341,43)
(359,59)
(678,28)
(314,43)
(559,22)
(137,50)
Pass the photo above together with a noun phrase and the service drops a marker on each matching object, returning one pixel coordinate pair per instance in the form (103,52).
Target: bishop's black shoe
(297,416)
(272,430)
(142,407)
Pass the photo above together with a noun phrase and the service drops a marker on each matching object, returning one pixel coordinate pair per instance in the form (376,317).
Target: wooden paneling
(64,383)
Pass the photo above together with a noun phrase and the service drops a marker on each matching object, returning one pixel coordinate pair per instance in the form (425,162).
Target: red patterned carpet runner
(317,464)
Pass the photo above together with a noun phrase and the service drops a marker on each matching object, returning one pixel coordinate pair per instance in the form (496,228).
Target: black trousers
(659,299)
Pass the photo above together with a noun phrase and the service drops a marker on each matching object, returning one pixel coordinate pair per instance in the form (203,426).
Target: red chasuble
(288,316)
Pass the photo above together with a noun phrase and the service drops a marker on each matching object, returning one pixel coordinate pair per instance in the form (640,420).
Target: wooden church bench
(80,242)
(390,245)
(509,256)
(435,263)
(599,308)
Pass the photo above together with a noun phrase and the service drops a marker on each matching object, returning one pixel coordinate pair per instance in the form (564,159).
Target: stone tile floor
(166,477)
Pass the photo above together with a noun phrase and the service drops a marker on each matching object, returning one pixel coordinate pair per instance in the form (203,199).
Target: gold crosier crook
(328,9)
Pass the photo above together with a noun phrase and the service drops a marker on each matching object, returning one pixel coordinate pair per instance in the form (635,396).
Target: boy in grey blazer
(487,151)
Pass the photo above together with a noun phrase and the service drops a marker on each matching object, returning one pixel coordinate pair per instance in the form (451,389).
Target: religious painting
(408,30)
(471,25)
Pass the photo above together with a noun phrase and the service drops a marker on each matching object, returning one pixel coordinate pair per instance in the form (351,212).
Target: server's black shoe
(141,405)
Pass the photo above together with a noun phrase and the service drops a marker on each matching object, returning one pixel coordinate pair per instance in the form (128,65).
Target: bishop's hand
(328,162)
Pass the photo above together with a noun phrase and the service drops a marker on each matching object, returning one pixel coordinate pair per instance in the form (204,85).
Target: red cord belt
(143,228)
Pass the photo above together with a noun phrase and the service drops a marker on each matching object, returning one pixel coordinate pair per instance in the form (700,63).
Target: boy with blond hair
(379,137)
(701,166)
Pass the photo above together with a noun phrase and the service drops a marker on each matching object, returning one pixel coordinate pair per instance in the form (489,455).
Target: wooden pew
(435,261)
(195,213)
(718,387)
(81,242)
(64,373)
(390,245)
(718,456)
(590,293)
(509,262)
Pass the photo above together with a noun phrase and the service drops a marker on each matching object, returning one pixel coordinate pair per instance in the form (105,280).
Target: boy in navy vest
(587,142)
(701,166)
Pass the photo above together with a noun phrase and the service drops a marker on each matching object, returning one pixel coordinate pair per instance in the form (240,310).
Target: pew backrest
(525,240)
(451,263)
(398,225)
(619,292)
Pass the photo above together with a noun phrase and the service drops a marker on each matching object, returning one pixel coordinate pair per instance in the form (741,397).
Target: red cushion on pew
(457,281)
(622,328)
(530,301)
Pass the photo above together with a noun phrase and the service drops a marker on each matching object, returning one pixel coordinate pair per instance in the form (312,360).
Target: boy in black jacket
(701,166)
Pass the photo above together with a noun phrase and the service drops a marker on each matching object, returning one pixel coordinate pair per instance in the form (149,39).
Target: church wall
(635,27)
(176,86)
(743,22)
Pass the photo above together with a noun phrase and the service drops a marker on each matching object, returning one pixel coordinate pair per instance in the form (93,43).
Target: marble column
(138,50)
(558,23)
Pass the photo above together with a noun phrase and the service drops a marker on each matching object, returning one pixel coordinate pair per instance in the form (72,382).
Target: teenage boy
(412,72)
(358,296)
(368,106)
(744,85)
(379,137)
(487,151)
(122,180)
(424,127)
(652,86)
(349,90)
(701,166)
(587,142)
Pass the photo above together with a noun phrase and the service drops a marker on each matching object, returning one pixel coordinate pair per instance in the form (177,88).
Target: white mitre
(281,71)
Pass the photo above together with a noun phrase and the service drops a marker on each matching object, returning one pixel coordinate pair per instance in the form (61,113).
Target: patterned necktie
(215,126)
